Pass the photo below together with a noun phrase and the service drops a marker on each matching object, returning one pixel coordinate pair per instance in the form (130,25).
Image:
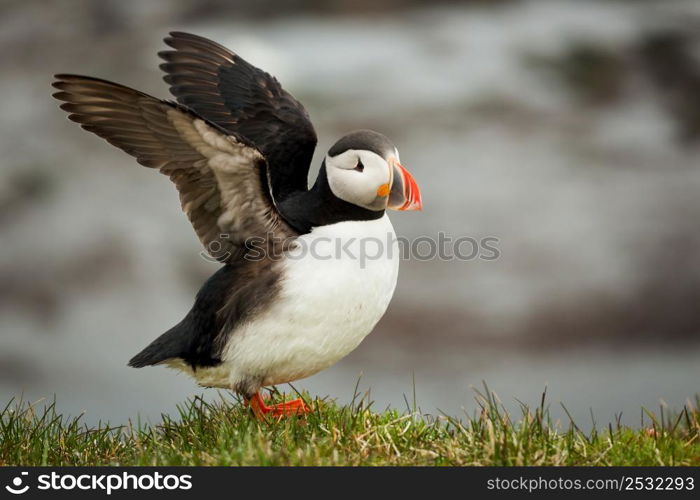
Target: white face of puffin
(365,179)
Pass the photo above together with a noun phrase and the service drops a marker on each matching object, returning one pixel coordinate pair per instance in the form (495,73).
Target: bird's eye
(359,167)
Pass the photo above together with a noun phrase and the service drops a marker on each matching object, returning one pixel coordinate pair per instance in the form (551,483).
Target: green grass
(224,433)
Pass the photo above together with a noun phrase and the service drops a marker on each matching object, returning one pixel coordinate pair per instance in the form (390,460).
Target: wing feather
(244,100)
(221,178)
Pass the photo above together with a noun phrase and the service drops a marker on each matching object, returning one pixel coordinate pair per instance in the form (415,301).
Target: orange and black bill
(404,194)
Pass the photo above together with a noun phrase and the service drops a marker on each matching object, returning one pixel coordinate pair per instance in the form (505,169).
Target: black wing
(222,179)
(225,89)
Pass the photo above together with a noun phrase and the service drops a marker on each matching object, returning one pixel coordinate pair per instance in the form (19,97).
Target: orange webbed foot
(285,409)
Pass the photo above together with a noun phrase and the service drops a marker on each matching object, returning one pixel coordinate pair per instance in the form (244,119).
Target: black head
(365,140)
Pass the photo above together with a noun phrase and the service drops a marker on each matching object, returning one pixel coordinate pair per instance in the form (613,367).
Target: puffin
(306,273)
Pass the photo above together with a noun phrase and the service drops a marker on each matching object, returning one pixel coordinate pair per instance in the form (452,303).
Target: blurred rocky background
(567,129)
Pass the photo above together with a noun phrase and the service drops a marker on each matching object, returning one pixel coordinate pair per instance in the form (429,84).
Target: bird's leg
(257,404)
(285,409)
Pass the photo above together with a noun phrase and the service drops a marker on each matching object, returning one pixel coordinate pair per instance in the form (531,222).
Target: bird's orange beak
(404,193)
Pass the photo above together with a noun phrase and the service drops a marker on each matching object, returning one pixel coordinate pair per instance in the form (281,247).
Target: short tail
(168,346)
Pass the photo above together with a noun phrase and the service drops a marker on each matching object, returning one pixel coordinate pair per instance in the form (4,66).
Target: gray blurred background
(569,130)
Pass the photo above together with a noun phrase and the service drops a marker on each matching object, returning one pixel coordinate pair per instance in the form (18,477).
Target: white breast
(336,286)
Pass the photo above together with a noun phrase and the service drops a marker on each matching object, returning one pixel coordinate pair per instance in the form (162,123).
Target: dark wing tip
(166,54)
(61,79)
(182,35)
(71,77)
(179,40)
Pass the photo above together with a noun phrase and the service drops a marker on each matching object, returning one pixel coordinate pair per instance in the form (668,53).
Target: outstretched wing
(221,178)
(228,91)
